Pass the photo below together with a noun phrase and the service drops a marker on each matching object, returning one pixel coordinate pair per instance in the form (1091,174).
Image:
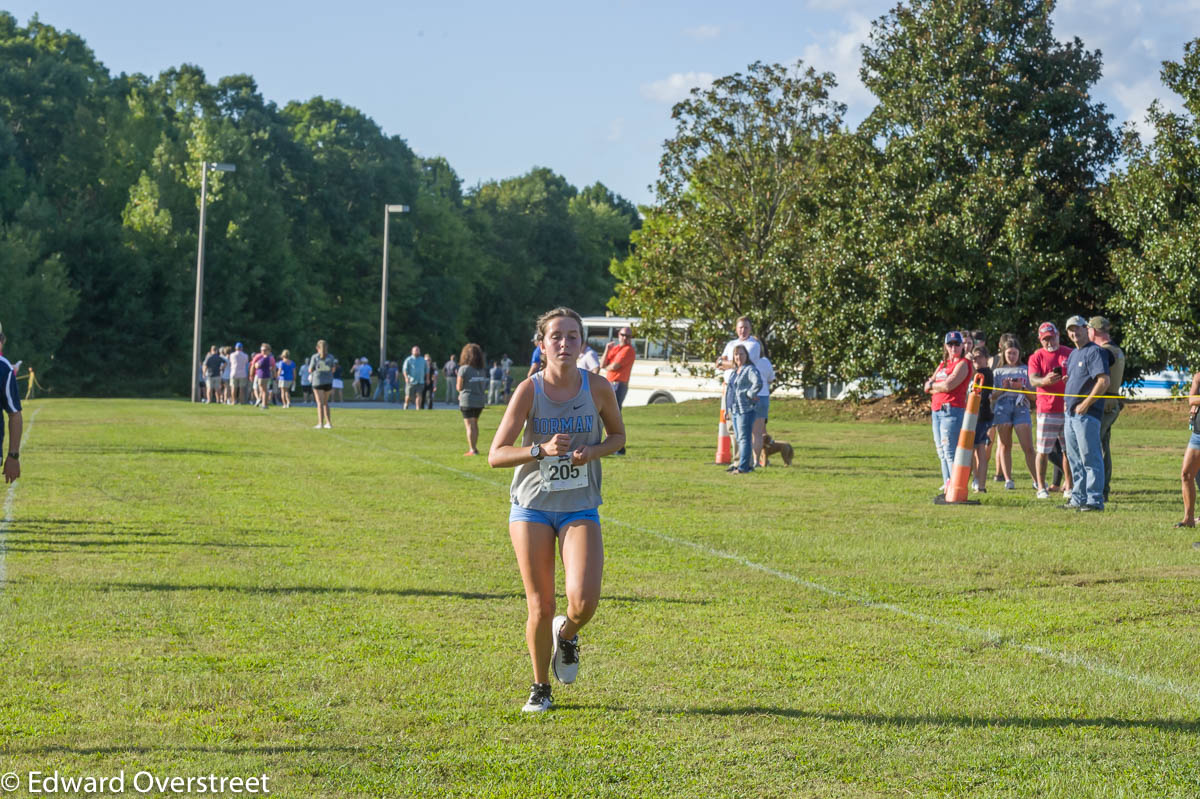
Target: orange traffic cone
(724,445)
(960,474)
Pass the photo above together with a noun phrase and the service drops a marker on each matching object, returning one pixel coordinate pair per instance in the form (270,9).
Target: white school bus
(654,378)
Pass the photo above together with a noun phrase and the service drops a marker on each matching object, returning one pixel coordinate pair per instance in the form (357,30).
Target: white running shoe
(328,426)
(539,698)
(1043,494)
(1010,485)
(565,662)
(317,427)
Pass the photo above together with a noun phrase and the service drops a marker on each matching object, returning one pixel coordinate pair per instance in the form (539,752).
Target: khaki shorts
(413,391)
(213,383)
(240,382)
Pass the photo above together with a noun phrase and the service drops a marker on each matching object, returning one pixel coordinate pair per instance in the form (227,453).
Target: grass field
(197,590)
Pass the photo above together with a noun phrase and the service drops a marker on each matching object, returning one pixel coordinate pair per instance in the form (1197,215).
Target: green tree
(1154,204)
(978,205)
(736,193)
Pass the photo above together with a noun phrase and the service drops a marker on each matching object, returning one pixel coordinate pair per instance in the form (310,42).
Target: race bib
(558,474)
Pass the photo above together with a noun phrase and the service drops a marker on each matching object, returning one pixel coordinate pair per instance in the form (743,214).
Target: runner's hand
(558,445)
(581,456)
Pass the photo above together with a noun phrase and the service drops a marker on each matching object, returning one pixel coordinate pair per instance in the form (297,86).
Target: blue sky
(583,88)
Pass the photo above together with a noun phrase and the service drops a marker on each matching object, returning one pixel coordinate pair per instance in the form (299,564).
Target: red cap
(1047,330)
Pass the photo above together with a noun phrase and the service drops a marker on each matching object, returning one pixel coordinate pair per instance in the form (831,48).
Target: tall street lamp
(388,210)
(200,272)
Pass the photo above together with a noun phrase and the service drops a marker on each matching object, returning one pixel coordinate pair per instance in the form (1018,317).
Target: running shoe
(1091,508)
(565,662)
(1043,494)
(317,426)
(999,478)
(1009,485)
(328,426)
(539,698)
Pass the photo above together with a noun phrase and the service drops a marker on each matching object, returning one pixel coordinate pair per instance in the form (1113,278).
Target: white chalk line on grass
(990,637)
(8,504)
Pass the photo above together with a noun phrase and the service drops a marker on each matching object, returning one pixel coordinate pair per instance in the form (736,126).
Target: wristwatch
(16,456)
(536,452)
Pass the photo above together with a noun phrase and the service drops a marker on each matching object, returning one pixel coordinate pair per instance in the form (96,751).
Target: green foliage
(964,199)
(736,193)
(1154,203)
(988,150)
(99,216)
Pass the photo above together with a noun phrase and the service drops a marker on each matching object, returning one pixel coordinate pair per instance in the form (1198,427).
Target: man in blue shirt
(10,400)
(414,377)
(1087,378)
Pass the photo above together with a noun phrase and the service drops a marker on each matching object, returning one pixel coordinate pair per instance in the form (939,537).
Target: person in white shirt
(588,360)
(753,347)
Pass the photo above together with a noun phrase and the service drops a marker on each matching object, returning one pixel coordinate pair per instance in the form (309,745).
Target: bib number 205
(559,474)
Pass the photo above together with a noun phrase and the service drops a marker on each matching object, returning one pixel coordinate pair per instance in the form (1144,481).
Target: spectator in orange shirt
(618,360)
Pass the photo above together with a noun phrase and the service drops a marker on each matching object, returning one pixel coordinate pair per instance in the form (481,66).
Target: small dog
(773,447)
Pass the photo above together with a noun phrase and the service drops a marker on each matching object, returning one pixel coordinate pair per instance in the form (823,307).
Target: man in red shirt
(1047,370)
(618,360)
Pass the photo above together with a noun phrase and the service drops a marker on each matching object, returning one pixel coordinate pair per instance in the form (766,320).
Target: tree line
(99,213)
(987,188)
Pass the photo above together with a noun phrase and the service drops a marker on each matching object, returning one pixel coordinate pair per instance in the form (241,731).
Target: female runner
(1191,457)
(555,494)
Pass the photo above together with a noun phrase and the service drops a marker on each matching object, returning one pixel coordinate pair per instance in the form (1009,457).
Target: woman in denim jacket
(741,399)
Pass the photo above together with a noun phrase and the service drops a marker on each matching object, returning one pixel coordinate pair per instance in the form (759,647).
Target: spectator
(212,375)
(741,398)
(1087,375)
(535,360)
(321,367)
(618,360)
(1010,411)
(471,381)
(391,392)
(588,360)
(1191,455)
(286,373)
(226,390)
(761,411)
(335,394)
(745,337)
(496,386)
(948,389)
(506,364)
(263,368)
(450,370)
(239,373)
(414,378)
(1046,369)
(305,382)
(430,383)
(1099,331)
(983,441)
(364,378)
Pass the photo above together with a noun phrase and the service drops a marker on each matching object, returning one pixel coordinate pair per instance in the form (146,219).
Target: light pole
(388,210)
(200,271)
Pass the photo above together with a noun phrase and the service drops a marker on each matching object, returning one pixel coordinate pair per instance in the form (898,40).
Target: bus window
(598,338)
(655,350)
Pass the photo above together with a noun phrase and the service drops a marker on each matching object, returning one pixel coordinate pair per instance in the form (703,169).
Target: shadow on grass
(103,449)
(323,589)
(933,720)
(264,749)
(56,545)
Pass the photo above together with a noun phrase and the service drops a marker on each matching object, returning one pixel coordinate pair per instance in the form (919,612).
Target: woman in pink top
(948,387)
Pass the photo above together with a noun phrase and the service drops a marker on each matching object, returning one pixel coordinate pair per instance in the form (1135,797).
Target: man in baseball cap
(1047,368)
(1087,379)
(1100,331)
